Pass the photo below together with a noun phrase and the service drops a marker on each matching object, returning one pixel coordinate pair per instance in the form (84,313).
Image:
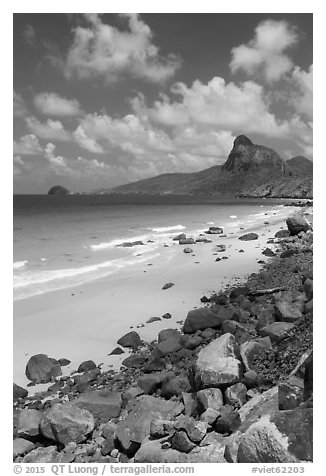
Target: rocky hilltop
(250,170)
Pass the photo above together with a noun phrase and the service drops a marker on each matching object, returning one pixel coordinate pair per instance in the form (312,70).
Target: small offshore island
(232,382)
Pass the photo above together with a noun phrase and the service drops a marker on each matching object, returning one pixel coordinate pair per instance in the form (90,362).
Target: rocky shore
(233,384)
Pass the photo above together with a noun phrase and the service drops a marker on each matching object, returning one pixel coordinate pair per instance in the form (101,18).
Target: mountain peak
(245,156)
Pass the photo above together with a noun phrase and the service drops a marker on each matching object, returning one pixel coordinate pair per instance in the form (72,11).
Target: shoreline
(85,321)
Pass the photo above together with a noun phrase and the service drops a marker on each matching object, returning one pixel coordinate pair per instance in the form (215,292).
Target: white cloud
(101,50)
(302,96)
(19,107)
(218,105)
(265,53)
(51,130)
(51,104)
(27,145)
(86,142)
(29,34)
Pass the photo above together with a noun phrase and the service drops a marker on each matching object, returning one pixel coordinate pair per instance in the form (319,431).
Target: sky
(103,100)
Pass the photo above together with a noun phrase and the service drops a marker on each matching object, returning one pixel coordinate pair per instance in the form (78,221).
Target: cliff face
(250,170)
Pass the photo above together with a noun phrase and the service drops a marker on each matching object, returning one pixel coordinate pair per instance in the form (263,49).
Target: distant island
(58,190)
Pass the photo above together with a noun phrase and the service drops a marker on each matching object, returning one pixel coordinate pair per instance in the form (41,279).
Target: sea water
(61,242)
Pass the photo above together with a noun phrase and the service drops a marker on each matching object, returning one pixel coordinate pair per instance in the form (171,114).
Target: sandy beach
(85,322)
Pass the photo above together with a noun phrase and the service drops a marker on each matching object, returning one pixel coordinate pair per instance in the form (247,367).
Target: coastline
(86,321)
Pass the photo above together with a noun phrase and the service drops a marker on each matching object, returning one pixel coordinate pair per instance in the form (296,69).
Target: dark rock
(268,252)
(250,379)
(204,299)
(214,230)
(202,318)
(277,331)
(153,319)
(188,250)
(134,360)
(249,237)
(191,404)
(103,404)
(181,236)
(220,248)
(64,362)
(167,285)
(107,446)
(29,422)
(210,416)
(187,241)
(308,288)
(86,366)
(282,234)
(131,339)
(117,351)
(58,190)
(87,377)
(174,386)
(287,253)
(168,346)
(239,291)
(228,421)
(131,393)
(297,223)
(167,315)
(19,392)
(160,428)
(151,382)
(66,422)
(196,430)
(181,442)
(41,369)
(287,310)
(308,377)
(251,349)
(190,341)
(167,334)
(290,393)
(241,332)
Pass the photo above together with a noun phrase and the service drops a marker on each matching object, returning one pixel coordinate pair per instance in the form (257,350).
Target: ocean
(61,242)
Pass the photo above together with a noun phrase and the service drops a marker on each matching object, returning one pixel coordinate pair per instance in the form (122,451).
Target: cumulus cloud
(265,53)
(51,104)
(27,145)
(301,91)
(101,50)
(217,104)
(51,130)
(19,107)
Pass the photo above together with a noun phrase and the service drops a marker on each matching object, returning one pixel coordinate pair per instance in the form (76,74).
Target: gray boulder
(29,422)
(131,339)
(103,404)
(297,223)
(42,369)
(249,237)
(21,447)
(277,331)
(203,318)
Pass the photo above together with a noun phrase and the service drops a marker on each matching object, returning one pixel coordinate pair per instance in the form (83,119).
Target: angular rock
(239,291)
(86,366)
(64,362)
(220,248)
(174,386)
(188,250)
(21,447)
(250,379)
(209,416)
(202,318)
(131,339)
(249,237)
(251,349)
(277,331)
(168,346)
(181,236)
(217,364)
(297,223)
(134,360)
(181,442)
(282,234)
(268,252)
(19,392)
(210,398)
(102,404)
(67,422)
(214,230)
(29,422)
(308,288)
(196,430)
(167,286)
(167,315)
(167,333)
(160,428)
(42,369)
(228,421)
(285,437)
(49,454)
(187,241)
(131,393)
(149,383)
(117,351)
(236,395)
(191,404)
(288,311)
(190,341)
(290,393)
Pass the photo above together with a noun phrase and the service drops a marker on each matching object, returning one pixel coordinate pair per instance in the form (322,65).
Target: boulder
(175,385)
(102,404)
(210,398)
(297,223)
(168,346)
(282,234)
(167,286)
(228,421)
(64,362)
(214,230)
(131,393)
(19,392)
(181,236)
(268,252)
(196,430)
(131,339)
(236,395)
(160,428)
(188,250)
(220,248)
(135,426)
(153,319)
(187,241)
(191,404)
(149,383)
(134,360)
(49,454)
(287,253)
(42,369)
(209,416)
(277,331)
(201,319)
(308,288)
(117,351)
(21,447)
(250,379)
(86,366)
(190,341)
(217,364)
(29,422)
(67,422)
(284,437)
(251,349)
(239,291)
(249,237)
(287,310)
(167,333)
(181,442)
(290,393)
(167,315)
